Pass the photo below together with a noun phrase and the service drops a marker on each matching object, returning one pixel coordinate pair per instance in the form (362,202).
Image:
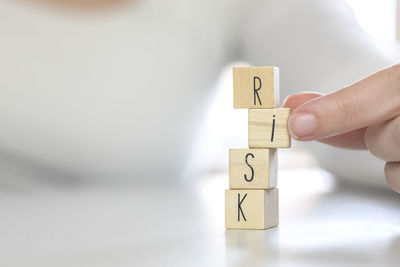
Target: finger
(296,100)
(350,140)
(382,140)
(367,102)
(392,173)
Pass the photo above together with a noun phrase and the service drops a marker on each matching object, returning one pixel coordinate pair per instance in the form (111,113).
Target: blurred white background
(377,18)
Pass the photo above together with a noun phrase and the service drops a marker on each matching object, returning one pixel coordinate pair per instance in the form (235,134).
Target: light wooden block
(251,209)
(255,87)
(268,128)
(253,168)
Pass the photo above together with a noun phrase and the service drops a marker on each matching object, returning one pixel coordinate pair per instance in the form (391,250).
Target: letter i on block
(268,128)
(251,209)
(252,168)
(255,87)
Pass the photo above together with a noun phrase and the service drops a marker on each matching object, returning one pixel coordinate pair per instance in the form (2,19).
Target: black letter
(251,168)
(256,90)
(273,129)
(240,211)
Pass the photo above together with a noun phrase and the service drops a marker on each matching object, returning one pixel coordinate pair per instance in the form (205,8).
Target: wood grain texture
(251,209)
(255,87)
(268,128)
(253,168)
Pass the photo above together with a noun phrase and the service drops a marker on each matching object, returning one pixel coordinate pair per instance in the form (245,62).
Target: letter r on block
(255,87)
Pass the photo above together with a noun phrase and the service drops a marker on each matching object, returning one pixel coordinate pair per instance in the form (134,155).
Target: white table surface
(322,222)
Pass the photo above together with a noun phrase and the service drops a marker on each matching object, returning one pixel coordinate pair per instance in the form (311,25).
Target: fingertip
(286,102)
(295,100)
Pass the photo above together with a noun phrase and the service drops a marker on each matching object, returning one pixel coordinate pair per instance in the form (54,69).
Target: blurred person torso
(120,92)
(109,93)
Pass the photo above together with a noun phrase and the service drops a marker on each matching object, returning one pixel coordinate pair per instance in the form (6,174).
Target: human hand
(364,115)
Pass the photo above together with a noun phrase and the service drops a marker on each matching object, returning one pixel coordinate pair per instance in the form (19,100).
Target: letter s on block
(251,168)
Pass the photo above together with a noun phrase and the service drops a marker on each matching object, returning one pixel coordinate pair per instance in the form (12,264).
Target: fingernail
(302,125)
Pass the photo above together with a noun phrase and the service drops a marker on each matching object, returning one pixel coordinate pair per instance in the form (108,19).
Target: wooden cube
(253,168)
(251,209)
(268,128)
(255,87)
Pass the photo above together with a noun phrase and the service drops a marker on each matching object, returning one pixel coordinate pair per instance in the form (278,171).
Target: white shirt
(121,93)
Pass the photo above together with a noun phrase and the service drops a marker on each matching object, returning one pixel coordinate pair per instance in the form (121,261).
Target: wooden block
(251,209)
(252,168)
(268,128)
(255,87)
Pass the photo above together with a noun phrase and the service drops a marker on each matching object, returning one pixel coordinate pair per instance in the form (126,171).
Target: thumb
(296,100)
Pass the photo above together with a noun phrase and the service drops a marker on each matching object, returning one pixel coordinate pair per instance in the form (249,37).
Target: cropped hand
(364,115)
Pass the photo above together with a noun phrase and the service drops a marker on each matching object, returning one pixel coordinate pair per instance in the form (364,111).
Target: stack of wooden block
(252,200)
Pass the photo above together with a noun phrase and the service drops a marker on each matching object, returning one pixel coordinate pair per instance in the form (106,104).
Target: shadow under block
(268,128)
(255,87)
(251,209)
(253,168)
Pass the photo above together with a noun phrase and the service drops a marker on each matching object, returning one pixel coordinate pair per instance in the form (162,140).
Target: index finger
(367,102)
